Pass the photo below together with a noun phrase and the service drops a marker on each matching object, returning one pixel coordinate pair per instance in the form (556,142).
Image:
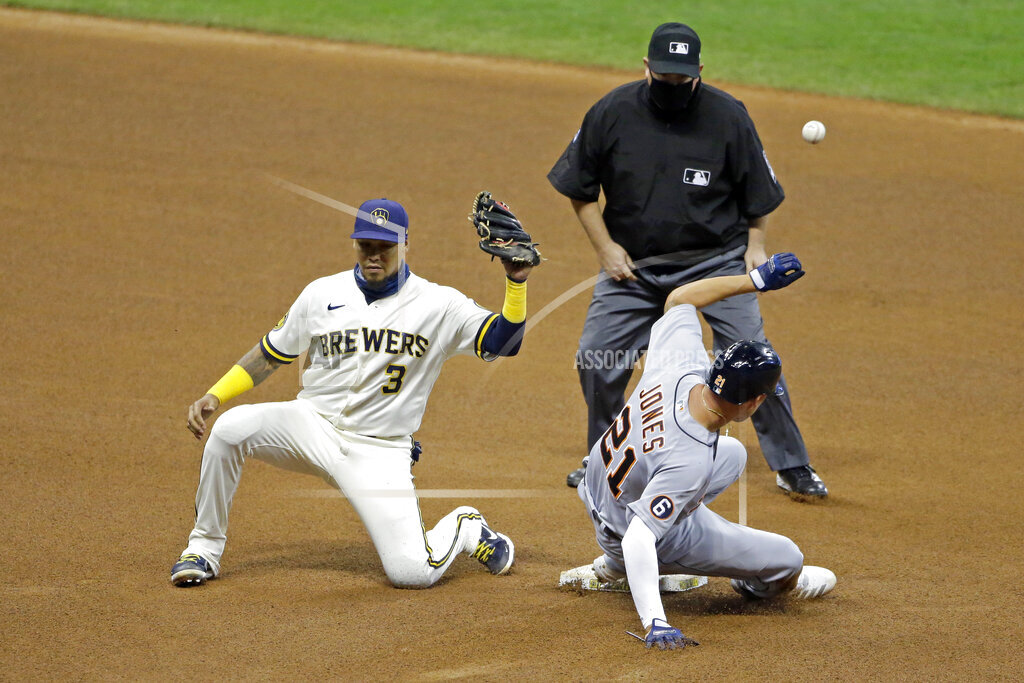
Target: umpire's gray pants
(619,320)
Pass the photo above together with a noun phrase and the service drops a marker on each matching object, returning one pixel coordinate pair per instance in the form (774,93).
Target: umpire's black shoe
(575,477)
(801,483)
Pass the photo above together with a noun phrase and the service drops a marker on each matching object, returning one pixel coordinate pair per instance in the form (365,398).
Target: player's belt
(611,534)
(597,518)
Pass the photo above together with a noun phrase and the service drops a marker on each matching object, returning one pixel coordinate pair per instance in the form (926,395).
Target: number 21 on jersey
(611,442)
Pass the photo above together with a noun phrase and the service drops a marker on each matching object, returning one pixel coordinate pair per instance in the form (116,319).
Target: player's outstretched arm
(641,557)
(781,270)
(250,370)
(503,334)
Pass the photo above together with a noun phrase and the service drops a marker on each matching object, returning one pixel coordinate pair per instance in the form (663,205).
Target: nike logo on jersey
(334,308)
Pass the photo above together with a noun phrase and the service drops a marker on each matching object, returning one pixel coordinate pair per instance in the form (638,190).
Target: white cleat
(605,573)
(813,583)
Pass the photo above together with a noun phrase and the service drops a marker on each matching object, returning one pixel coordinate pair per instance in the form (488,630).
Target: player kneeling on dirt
(650,476)
(376,338)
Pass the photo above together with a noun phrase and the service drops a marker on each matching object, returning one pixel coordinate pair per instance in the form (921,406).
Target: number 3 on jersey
(611,442)
(395,373)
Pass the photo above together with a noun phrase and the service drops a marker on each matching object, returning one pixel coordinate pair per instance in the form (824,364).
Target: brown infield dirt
(145,250)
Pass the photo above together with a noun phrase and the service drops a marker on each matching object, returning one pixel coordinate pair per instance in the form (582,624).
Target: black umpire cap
(674,49)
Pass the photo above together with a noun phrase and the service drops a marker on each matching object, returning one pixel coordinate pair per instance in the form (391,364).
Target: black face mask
(669,98)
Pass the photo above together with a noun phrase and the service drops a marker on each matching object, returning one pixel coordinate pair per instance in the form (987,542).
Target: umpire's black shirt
(687,184)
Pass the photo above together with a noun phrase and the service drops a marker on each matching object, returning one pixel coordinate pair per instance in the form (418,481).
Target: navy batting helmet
(744,371)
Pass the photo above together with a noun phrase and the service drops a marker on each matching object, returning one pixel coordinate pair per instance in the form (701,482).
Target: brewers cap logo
(380,216)
(662,507)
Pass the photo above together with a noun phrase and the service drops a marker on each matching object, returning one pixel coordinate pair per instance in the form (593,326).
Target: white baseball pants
(374,474)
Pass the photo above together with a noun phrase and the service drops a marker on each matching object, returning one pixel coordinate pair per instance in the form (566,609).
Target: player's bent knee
(237,425)
(410,575)
(409,581)
(410,585)
(733,450)
(787,558)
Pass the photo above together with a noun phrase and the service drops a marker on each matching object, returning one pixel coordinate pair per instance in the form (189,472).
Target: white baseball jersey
(655,461)
(370,367)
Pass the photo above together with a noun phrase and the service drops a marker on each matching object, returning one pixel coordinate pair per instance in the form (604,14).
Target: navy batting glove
(415,452)
(781,270)
(666,637)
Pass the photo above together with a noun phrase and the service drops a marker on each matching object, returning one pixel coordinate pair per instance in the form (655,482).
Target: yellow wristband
(514,309)
(234,382)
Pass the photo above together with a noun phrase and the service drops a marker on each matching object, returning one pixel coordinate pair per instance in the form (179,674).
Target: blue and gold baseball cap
(381,219)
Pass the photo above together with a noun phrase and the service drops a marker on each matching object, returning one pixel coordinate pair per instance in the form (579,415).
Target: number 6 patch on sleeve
(662,507)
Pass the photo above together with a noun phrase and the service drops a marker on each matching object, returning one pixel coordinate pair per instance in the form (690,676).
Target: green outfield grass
(957,54)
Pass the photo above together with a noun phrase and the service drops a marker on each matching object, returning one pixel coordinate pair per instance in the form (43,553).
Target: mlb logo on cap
(674,49)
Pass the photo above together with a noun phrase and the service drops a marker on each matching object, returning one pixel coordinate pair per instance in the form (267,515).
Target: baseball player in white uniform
(650,477)
(375,338)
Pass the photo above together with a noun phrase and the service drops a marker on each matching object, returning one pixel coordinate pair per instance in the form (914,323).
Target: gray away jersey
(655,460)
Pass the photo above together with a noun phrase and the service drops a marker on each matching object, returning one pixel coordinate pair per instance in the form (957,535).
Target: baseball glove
(501,233)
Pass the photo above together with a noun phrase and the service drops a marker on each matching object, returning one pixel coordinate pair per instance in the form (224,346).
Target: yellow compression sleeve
(234,382)
(514,309)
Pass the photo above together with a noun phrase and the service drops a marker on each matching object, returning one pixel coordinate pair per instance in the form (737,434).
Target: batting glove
(781,270)
(666,637)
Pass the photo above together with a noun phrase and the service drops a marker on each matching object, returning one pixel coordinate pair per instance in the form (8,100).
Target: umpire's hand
(616,262)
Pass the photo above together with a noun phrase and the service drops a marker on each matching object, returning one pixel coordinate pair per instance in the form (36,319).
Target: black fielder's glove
(501,233)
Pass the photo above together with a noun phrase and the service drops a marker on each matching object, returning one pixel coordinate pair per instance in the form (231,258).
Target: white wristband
(756,278)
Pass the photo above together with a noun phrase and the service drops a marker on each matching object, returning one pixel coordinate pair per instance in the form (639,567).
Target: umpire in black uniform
(687,188)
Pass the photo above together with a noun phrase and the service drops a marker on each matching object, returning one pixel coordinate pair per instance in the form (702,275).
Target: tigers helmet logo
(380,216)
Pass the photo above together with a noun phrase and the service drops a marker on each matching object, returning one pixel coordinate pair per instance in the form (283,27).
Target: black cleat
(801,483)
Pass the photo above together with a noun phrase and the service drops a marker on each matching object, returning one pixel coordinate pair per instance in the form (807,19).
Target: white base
(583,578)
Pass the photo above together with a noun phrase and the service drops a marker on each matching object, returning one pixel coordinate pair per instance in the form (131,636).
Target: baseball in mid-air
(814,132)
